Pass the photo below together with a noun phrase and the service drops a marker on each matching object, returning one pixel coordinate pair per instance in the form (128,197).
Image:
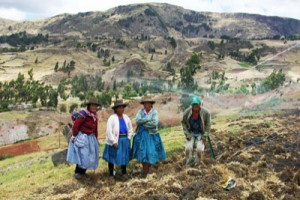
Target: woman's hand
(115,145)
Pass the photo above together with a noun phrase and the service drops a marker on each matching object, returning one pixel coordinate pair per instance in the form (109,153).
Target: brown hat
(119,103)
(147,99)
(93,100)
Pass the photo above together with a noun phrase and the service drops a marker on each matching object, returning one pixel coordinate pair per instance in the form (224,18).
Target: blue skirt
(147,148)
(118,156)
(84,151)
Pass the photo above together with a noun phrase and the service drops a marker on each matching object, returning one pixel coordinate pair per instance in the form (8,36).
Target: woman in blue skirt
(147,145)
(118,134)
(83,147)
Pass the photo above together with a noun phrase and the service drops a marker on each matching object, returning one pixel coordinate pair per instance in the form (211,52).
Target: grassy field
(23,174)
(238,140)
(245,64)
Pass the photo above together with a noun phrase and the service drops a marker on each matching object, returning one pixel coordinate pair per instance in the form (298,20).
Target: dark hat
(119,103)
(147,99)
(93,100)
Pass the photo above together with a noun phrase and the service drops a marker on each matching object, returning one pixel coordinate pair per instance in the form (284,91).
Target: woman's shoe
(144,175)
(111,180)
(124,178)
(78,176)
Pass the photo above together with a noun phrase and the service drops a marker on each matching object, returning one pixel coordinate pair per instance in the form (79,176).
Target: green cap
(195,100)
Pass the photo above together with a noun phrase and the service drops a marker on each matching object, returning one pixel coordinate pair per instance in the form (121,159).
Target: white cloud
(285,8)
(12,13)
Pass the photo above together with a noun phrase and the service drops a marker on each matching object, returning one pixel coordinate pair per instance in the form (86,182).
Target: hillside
(130,51)
(158,20)
(260,150)
(245,67)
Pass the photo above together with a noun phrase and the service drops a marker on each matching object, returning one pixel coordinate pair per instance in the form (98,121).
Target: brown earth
(264,159)
(21,148)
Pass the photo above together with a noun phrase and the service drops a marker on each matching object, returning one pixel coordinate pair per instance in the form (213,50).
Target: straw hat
(119,103)
(147,99)
(93,100)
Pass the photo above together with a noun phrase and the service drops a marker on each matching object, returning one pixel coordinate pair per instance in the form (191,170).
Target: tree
(106,62)
(105,98)
(169,67)
(99,54)
(72,65)
(115,85)
(274,80)
(253,86)
(99,83)
(211,45)
(63,108)
(193,60)
(106,53)
(213,86)
(30,73)
(53,101)
(152,50)
(126,91)
(184,102)
(223,76)
(72,107)
(173,42)
(129,74)
(187,80)
(56,67)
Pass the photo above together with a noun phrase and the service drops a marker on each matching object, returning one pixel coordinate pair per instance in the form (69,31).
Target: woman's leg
(124,174)
(123,167)
(146,168)
(79,170)
(111,169)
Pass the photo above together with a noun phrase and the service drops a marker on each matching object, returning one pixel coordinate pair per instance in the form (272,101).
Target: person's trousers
(111,169)
(190,144)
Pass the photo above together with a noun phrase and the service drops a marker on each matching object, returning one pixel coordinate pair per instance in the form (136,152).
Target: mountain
(158,20)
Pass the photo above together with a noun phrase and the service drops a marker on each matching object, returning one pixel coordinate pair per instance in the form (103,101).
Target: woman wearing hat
(118,134)
(147,145)
(83,147)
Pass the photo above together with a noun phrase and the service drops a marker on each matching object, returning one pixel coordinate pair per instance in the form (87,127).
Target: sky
(32,9)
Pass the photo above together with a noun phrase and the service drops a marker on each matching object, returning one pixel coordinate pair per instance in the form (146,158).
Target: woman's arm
(76,126)
(139,118)
(152,120)
(96,129)
(109,131)
(130,129)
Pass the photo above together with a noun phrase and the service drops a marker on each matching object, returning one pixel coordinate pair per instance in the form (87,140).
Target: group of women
(147,146)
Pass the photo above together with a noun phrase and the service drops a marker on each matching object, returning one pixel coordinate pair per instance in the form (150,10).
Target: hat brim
(88,104)
(124,104)
(152,102)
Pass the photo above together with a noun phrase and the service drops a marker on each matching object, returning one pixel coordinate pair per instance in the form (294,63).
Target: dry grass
(266,167)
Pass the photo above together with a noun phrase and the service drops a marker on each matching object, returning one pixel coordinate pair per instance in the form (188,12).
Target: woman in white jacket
(118,134)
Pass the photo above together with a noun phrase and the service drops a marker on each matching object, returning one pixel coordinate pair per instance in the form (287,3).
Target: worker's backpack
(67,131)
(79,114)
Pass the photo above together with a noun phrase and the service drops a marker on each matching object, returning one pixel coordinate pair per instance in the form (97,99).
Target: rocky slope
(159,20)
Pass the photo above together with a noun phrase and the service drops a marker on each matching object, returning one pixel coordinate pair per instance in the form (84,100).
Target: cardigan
(150,122)
(113,129)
